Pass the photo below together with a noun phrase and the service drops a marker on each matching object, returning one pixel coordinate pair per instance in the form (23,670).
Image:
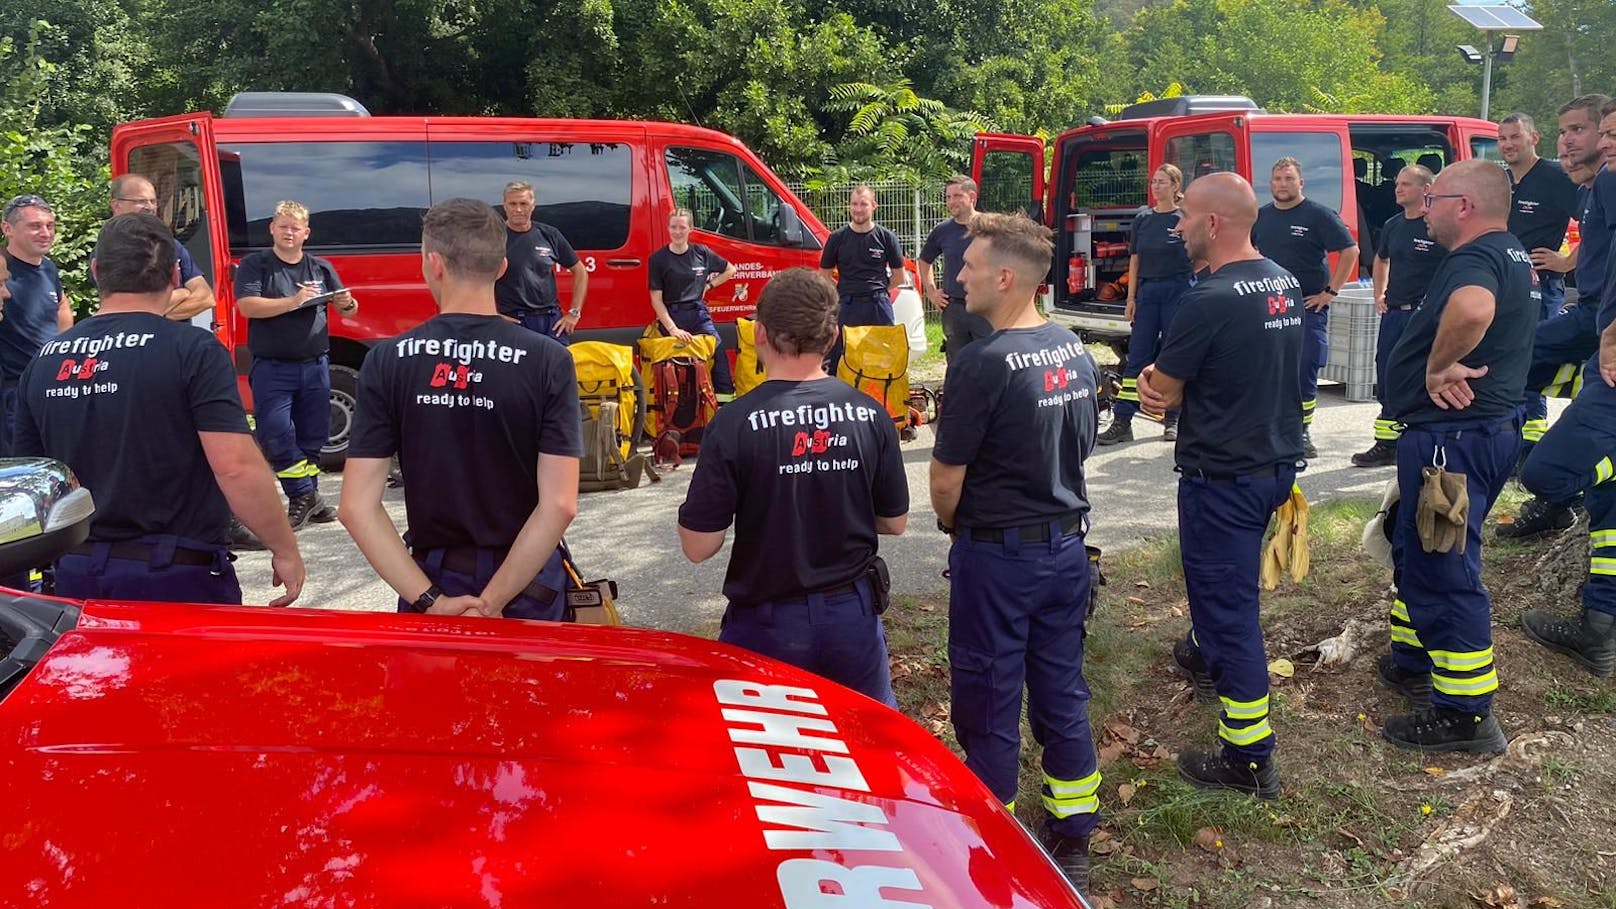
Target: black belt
(1227,477)
(142,552)
(687,304)
(864,296)
(465,559)
(1031,533)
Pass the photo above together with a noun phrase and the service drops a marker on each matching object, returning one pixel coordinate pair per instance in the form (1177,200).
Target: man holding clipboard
(284,294)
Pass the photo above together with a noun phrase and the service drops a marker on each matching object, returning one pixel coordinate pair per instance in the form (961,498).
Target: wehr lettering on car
(777,717)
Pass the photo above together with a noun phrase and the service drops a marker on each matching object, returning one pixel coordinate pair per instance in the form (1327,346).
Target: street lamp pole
(1486,76)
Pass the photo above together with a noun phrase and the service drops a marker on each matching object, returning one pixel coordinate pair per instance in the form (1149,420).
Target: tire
(344,398)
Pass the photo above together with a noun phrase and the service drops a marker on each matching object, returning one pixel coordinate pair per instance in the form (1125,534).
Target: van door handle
(623,263)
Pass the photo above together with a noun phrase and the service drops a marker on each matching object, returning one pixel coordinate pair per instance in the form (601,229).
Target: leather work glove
(1443,512)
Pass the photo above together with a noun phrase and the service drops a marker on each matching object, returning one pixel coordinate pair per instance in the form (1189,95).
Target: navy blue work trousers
(97,574)
(545,598)
(835,635)
(292,411)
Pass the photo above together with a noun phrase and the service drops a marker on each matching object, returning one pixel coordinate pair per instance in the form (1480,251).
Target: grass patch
(1563,697)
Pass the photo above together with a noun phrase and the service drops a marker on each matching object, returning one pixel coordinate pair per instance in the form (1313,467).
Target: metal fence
(909,210)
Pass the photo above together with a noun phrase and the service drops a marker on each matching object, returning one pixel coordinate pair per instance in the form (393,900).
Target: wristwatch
(425,600)
(575,313)
(944,527)
(1332,291)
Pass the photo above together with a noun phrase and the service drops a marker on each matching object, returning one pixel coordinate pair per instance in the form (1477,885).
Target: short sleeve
(933,247)
(333,281)
(211,386)
(972,398)
(1384,249)
(1334,231)
(375,426)
(561,431)
(714,495)
(1189,339)
(890,493)
(1140,222)
(1476,269)
(715,262)
(827,259)
(894,248)
(250,277)
(565,255)
(188,269)
(1605,196)
(653,274)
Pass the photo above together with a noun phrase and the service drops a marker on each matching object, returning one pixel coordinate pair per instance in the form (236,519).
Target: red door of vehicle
(178,156)
(1207,144)
(1009,174)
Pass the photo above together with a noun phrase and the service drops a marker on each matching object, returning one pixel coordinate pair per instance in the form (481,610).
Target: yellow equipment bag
(1287,549)
(606,373)
(748,371)
(876,362)
(680,386)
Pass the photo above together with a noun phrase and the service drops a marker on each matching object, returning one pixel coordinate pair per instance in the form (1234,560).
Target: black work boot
(1216,770)
(242,539)
(1416,686)
(1309,450)
(301,510)
(1381,454)
(1071,855)
(1120,431)
(1439,729)
(1170,429)
(1589,639)
(1537,518)
(1187,662)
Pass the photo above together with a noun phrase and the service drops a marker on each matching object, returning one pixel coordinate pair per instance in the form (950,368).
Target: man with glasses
(133,193)
(38,309)
(1454,382)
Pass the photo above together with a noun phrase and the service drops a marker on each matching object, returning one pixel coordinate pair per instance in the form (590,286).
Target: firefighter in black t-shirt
(680,275)
(489,412)
(1454,381)
(866,261)
(1298,234)
(283,292)
(526,292)
(145,411)
(1007,485)
(1404,263)
(1239,444)
(806,592)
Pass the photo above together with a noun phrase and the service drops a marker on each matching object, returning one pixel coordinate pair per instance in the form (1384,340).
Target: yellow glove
(1300,560)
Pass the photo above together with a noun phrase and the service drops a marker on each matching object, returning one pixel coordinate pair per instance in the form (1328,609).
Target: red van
(606,184)
(1099,175)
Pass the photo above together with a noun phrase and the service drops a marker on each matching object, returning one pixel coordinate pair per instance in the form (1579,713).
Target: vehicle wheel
(641,402)
(1106,396)
(344,397)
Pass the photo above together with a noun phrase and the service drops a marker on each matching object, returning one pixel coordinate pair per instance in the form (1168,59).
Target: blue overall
(859,309)
(1155,303)
(1015,616)
(544,322)
(1221,522)
(530,604)
(97,574)
(835,634)
(1315,356)
(292,409)
(694,318)
(1563,343)
(1392,323)
(1575,458)
(1441,618)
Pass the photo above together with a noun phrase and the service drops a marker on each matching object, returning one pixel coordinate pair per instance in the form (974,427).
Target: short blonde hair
(682,213)
(297,211)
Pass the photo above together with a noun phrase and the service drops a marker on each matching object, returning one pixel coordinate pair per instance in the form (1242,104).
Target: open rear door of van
(1009,174)
(178,156)
(1201,145)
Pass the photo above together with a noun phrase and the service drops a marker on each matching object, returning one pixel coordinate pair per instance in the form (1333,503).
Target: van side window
(583,189)
(359,194)
(1201,154)
(1485,148)
(709,184)
(1320,154)
(175,170)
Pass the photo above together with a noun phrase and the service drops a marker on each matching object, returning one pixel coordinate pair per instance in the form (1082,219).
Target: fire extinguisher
(1077,273)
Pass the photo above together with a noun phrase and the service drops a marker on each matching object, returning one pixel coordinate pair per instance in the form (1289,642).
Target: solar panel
(1495,18)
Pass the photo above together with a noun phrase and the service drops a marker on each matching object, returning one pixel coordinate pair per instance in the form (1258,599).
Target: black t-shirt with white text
(1412,259)
(803,469)
(861,260)
(468,402)
(120,397)
(1299,239)
(1236,343)
(531,257)
(1160,250)
(1542,206)
(1498,263)
(301,334)
(1021,419)
(948,240)
(682,277)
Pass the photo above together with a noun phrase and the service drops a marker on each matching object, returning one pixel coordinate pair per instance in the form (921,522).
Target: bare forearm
(373,531)
(532,549)
(186,302)
(661,310)
(265,307)
(1457,335)
(250,490)
(1379,276)
(947,481)
(1346,267)
(580,288)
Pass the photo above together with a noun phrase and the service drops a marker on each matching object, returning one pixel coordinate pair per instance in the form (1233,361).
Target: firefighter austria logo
(1057,378)
(1278,304)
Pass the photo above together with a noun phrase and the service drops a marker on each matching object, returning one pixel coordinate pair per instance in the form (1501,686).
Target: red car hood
(179,756)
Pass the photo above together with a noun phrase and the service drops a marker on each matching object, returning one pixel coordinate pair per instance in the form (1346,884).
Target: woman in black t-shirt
(1158,275)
